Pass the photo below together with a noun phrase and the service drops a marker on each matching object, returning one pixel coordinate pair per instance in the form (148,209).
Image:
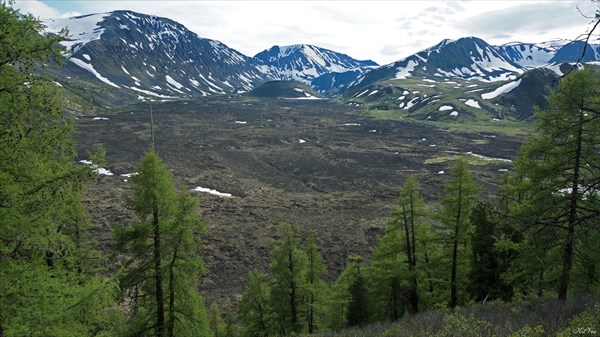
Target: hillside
(284,89)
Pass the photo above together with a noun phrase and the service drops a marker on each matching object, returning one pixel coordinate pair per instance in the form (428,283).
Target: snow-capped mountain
(305,62)
(465,58)
(153,56)
(526,55)
(472,58)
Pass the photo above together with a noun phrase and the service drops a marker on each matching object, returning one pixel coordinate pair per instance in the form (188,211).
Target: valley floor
(319,164)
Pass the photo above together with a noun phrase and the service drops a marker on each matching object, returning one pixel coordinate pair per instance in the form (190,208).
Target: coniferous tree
(164,265)
(288,288)
(457,202)
(485,281)
(358,306)
(255,306)
(560,170)
(215,322)
(315,286)
(48,270)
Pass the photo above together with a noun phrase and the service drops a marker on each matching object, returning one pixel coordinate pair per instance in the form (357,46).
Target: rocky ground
(315,163)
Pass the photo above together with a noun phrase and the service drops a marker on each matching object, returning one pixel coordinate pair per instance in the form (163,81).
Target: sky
(383,31)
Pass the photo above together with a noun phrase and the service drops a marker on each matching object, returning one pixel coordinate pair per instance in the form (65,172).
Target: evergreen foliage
(255,306)
(164,265)
(456,229)
(557,178)
(49,272)
(288,288)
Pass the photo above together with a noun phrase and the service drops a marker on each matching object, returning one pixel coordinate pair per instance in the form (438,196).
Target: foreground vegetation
(456,266)
(579,316)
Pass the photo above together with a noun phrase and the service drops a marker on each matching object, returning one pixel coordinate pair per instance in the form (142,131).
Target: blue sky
(384,31)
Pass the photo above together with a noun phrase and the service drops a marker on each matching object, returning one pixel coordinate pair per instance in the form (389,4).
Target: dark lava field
(315,163)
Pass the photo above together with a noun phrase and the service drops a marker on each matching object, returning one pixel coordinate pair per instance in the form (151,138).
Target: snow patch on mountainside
(503,89)
(91,69)
(82,29)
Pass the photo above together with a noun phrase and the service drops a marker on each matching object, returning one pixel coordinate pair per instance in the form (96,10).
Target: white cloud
(384,31)
(41,10)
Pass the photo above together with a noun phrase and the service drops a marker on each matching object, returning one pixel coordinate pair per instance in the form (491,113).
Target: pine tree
(50,283)
(165,265)
(457,202)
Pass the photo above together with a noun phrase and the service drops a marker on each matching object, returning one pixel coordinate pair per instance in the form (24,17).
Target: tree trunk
(412,293)
(171,324)
(568,251)
(311,311)
(453,295)
(413,267)
(160,305)
(293,304)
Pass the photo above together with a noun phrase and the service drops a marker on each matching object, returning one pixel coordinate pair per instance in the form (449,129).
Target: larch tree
(50,283)
(288,288)
(315,286)
(255,306)
(456,204)
(394,269)
(560,166)
(163,247)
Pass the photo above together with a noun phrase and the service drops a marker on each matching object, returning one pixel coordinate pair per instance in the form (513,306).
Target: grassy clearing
(506,127)
(580,316)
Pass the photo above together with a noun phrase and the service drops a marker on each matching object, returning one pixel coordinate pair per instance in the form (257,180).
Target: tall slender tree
(457,202)
(255,306)
(395,257)
(164,265)
(315,286)
(288,288)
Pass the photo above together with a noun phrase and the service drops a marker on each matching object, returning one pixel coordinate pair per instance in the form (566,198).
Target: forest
(536,242)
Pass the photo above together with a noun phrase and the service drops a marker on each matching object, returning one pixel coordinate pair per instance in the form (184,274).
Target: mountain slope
(305,62)
(152,56)
(526,55)
(285,90)
(466,58)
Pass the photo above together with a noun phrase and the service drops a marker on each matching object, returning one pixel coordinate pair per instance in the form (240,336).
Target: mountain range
(138,56)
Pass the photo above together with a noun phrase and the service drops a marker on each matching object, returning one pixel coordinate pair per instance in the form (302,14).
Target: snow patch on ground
(454,114)
(473,103)
(211,191)
(96,169)
(446,108)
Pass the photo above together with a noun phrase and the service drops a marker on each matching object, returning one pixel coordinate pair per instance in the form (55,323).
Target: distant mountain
(305,62)
(332,83)
(152,56)
(465,58)
(526,55)
(284,89)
